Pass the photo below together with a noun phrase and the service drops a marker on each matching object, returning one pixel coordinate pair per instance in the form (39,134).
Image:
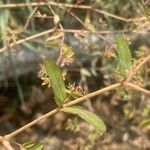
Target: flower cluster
(75,91)
(44,76)
(67,54)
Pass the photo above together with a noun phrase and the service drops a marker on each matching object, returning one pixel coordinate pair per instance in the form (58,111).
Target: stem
(93,94)
(134,71)
(59,30)
(51,30)
(9,136)
(146,59)
(7,145)
(112,15)
(133,86)
(29,18)
(33,4)
(98,92)
(26,39)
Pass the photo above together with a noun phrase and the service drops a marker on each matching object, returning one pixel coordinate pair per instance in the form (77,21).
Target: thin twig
(29,18)
(7,145)
(141,64)
(36,121)
(135,87)
(93,94)
(99,32)
(83,82)
(33,4)
(59,30)
(82,23)
(14,33)
(57,23)
(74,16)
(26,39)
(138,67)
(112,15)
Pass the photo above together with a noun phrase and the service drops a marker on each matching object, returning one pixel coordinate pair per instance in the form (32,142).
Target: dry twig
(137,88)
(138,67)
(33,4)
(27,39)
(36,121)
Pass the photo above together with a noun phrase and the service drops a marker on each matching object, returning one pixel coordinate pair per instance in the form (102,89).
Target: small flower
(109,52)
(67,54)
(75,91)
(44,76)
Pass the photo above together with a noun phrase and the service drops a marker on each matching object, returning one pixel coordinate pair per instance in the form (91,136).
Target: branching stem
(36,121)
(135,87)
(138,67)
(37,4)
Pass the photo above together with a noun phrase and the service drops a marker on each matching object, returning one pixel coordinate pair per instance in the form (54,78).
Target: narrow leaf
(124,57)
(87,116)
(32,146)
(145,124)
(28,144)
(54,72)
(52,44)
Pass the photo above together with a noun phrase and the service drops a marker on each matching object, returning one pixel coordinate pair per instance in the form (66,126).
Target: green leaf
(87,116)
(32,146)
(52,44)
(124,57)
(145,123)
(55,75)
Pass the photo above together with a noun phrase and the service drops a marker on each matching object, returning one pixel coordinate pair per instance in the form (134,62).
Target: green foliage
(124,57)
(91,118)
(145,123)
(32,146)
(52,44)
(55,75)
(60,92)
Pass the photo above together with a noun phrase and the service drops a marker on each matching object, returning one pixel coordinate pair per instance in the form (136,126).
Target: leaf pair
(60,95)
(58,85)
